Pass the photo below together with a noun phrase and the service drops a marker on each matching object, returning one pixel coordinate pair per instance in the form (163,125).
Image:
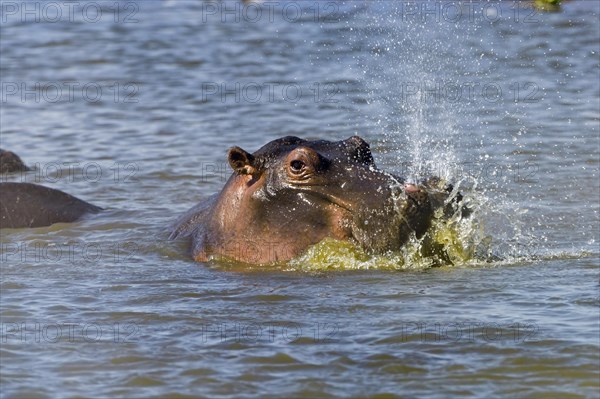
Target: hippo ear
(242,162)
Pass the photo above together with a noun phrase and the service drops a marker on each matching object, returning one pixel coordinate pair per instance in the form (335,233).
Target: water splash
(423,133)
(453,242)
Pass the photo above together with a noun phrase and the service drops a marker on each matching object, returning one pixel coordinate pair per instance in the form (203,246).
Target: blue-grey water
(132,106)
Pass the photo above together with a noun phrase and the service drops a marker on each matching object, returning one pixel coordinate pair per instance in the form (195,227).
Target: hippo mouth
(312,188)
(345,205)
(323,192)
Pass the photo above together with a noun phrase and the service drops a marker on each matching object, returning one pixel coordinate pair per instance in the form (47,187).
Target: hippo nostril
(359,150)
(355,143)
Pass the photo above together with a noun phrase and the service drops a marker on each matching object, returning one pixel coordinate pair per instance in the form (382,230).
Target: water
(498,97)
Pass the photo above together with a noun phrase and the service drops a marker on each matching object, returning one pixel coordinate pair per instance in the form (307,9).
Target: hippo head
(317,172)
(296,192)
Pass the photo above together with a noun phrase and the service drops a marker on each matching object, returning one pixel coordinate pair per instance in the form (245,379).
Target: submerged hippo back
(32,205)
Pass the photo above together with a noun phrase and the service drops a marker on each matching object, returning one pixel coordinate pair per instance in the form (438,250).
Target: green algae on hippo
(293,193)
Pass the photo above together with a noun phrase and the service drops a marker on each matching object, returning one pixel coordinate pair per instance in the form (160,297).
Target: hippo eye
(296,166)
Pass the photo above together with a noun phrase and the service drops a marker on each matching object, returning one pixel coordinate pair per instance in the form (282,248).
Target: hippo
(10,162)
(33,205)
(292,193)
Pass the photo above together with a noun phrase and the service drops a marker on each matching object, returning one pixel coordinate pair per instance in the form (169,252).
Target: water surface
(498,97)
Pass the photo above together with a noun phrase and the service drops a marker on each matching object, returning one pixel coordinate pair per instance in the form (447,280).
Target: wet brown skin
(293,193)
(32,205)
